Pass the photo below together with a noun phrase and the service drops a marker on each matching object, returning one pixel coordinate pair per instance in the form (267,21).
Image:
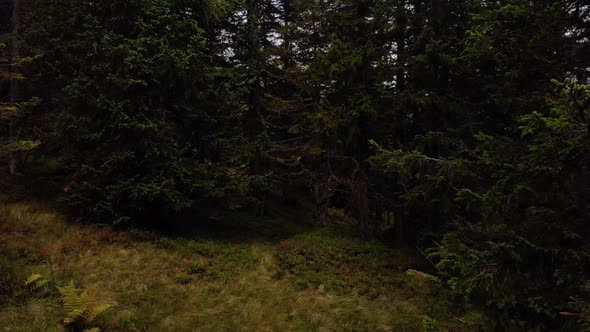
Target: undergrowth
(342,264)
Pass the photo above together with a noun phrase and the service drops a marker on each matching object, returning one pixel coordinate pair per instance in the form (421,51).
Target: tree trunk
(400,40)
(322,195)
(360,202)
(378,210)
(287,45)
(399,228)
(254,121)
(14,70)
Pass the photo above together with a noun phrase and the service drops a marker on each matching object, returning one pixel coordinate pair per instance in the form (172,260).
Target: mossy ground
(242,274)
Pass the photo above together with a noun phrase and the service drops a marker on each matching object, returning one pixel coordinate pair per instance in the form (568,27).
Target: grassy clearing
(290,278)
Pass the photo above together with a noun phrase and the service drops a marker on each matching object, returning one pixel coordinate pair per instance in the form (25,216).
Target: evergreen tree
(12,109)
(491,178)
(134,109)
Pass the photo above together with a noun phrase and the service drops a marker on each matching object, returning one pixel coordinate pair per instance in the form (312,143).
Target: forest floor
(272,273)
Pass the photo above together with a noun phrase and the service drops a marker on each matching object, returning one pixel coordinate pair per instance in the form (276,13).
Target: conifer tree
(13,110)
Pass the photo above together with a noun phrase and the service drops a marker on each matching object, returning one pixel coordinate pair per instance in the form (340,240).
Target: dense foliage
(465,124)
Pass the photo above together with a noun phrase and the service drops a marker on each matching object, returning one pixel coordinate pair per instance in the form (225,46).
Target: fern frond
(41,283)
(97,310)
(32,278)
(80,305)
(74,305)
(94,329)
(73,315)
(85,299)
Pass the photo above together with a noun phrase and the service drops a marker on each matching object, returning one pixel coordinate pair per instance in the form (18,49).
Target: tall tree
(135,115)
(340,81)
(14,110)
(14,71)
(500,173)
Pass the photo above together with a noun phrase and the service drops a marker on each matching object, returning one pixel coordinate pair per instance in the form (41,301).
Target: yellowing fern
(32,278)
(94,329)
(36,281)
(97,310)
(79,305)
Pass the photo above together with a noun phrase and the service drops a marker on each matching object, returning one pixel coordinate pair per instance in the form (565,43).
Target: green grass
(243,274)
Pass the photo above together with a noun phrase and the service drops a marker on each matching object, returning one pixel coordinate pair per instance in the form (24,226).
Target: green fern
(36,282)
(98,310)
(79,306)
(32,278)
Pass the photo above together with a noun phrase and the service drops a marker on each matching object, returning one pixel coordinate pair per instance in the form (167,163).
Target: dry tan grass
(153,290)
